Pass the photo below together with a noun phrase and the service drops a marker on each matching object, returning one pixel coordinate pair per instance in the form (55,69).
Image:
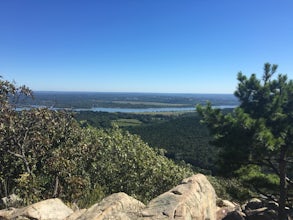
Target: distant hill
(88,100)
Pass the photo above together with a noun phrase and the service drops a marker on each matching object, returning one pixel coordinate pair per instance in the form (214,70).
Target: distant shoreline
(147,110)
(132,93)
(126,102)
(131,110)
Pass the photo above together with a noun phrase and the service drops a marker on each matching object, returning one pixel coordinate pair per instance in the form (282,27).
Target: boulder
(5,213)
(254,204)
(261,214)
(117,206)
(235,215)
(224,207)
(10,201)
(273,205)
(256,209)
(222,212)
(230,205)
(77,213)
(51,209)
(194,198)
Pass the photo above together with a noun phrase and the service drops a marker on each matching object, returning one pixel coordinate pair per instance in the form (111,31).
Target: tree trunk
(55,194)
(283,185)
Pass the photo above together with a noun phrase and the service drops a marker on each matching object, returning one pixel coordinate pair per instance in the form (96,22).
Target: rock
(5,213)
(249,212)
(222,213)
(227,204)
(235,215)
(254,204)
(256,210)
(273,205)
(259,217)
(45,210)
(225,207)
(261,214)
(10,201)
(75,215)
(116,206)
(194,199)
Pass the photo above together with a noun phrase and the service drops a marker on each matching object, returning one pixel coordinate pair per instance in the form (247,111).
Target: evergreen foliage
(231,189)
(184,138)
(259,132)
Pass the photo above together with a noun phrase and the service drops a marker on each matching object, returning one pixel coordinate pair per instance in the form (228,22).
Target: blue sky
(185,46)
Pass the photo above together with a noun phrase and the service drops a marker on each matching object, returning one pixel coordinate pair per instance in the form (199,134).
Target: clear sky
(186,46)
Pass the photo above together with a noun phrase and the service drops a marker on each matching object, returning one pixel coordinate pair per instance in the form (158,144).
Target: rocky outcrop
(226,208)
(195,198)
(255,209)
(76,214)
(253,204)
(116,206)
(51,209)
(10,201)
(235,215)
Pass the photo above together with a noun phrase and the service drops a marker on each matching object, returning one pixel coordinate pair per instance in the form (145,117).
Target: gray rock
(273,205)
(10,201)
(76,214)
(116,206)
(195,198)
(261,214)
(254,204)
(235,215)
(51,209)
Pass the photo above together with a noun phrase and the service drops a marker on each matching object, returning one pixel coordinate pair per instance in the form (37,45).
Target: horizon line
(183,93)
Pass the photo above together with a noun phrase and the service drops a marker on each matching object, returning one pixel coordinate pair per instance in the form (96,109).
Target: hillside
(182,136)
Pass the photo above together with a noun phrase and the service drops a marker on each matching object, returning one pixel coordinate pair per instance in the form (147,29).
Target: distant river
(129,110)
(140,110)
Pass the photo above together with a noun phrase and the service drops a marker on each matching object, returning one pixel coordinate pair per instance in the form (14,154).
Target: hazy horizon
(109,92)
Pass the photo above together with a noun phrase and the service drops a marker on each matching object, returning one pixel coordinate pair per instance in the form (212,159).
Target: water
(75,101)
(128,110)
(148,110)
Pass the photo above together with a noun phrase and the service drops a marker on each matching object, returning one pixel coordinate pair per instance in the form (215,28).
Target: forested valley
(180,135)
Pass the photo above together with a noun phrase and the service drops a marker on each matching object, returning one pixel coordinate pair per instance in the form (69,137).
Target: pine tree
(260,130)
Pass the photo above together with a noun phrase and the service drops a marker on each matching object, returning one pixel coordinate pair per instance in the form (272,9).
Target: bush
(46,153)
(120,161)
